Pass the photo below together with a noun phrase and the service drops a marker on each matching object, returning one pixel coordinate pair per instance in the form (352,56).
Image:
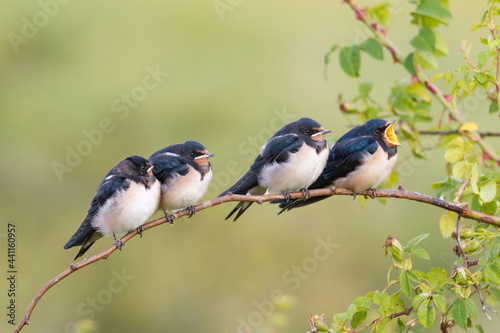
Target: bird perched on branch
(290,160)
(360,160)
(184,173)
(125,199)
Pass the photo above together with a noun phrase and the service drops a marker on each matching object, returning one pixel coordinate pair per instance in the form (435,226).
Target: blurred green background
(228,79)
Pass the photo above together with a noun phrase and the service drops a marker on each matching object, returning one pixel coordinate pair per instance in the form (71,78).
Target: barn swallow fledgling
(125,199)
(360,160)
(290,160)
(184,173)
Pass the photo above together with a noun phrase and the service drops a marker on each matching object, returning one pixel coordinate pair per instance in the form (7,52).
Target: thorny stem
(406,312)
(424,132)
(399,58)
(483,303)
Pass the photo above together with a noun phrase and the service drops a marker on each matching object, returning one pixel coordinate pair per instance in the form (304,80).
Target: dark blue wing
(345,156)
(108,187)
(168,165)
(278,149)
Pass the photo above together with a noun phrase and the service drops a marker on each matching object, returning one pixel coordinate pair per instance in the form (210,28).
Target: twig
(406,312)
(400,193)
(485,306)
(424,132)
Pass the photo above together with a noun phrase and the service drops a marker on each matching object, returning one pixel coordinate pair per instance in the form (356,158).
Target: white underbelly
(300,171)
(127,210)
(184,191)
(370,174)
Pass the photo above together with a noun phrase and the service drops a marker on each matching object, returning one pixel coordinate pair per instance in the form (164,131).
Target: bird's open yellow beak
(390,136)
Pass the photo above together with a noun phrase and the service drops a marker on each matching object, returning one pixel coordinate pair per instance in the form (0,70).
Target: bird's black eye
(308,132)
(192,153)
(143,167)
(378,131)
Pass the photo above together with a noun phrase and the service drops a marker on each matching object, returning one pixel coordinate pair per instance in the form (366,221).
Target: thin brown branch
(483,303)
(422,132)
(400,193)
(406,312)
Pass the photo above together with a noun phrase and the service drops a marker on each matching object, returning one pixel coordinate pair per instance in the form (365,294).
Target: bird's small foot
(373,195)
(169,217)
(191,211)
(140,230)
(118,242)
(305,193)
(287,196)
(354,196)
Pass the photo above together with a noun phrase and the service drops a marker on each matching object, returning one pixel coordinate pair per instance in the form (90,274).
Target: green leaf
(488,191)
(459,169)
(447,223)
(454,154)
(350,60)
(415,302)
(471,307)
(373,48)
(441,46)
(362,303)
(459,313)
(436,276)
(349,314)
(426,313)
(409,63)
(474,177)
(492,273)
(415,275)
(405,283)
(417,89)
(490,208)
(364,88)
(479,328)
(411,244)
(426,60)
(382,13)
(425,40)
(401,326)
(440,302)
(482,58)
(358,318)
(433,8)
(327,58)
(421,253)
(457,142)
(383,299)
(493,107)
(481,77)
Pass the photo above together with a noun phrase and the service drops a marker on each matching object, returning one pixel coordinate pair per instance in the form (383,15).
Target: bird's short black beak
(323,131)
(204,155)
